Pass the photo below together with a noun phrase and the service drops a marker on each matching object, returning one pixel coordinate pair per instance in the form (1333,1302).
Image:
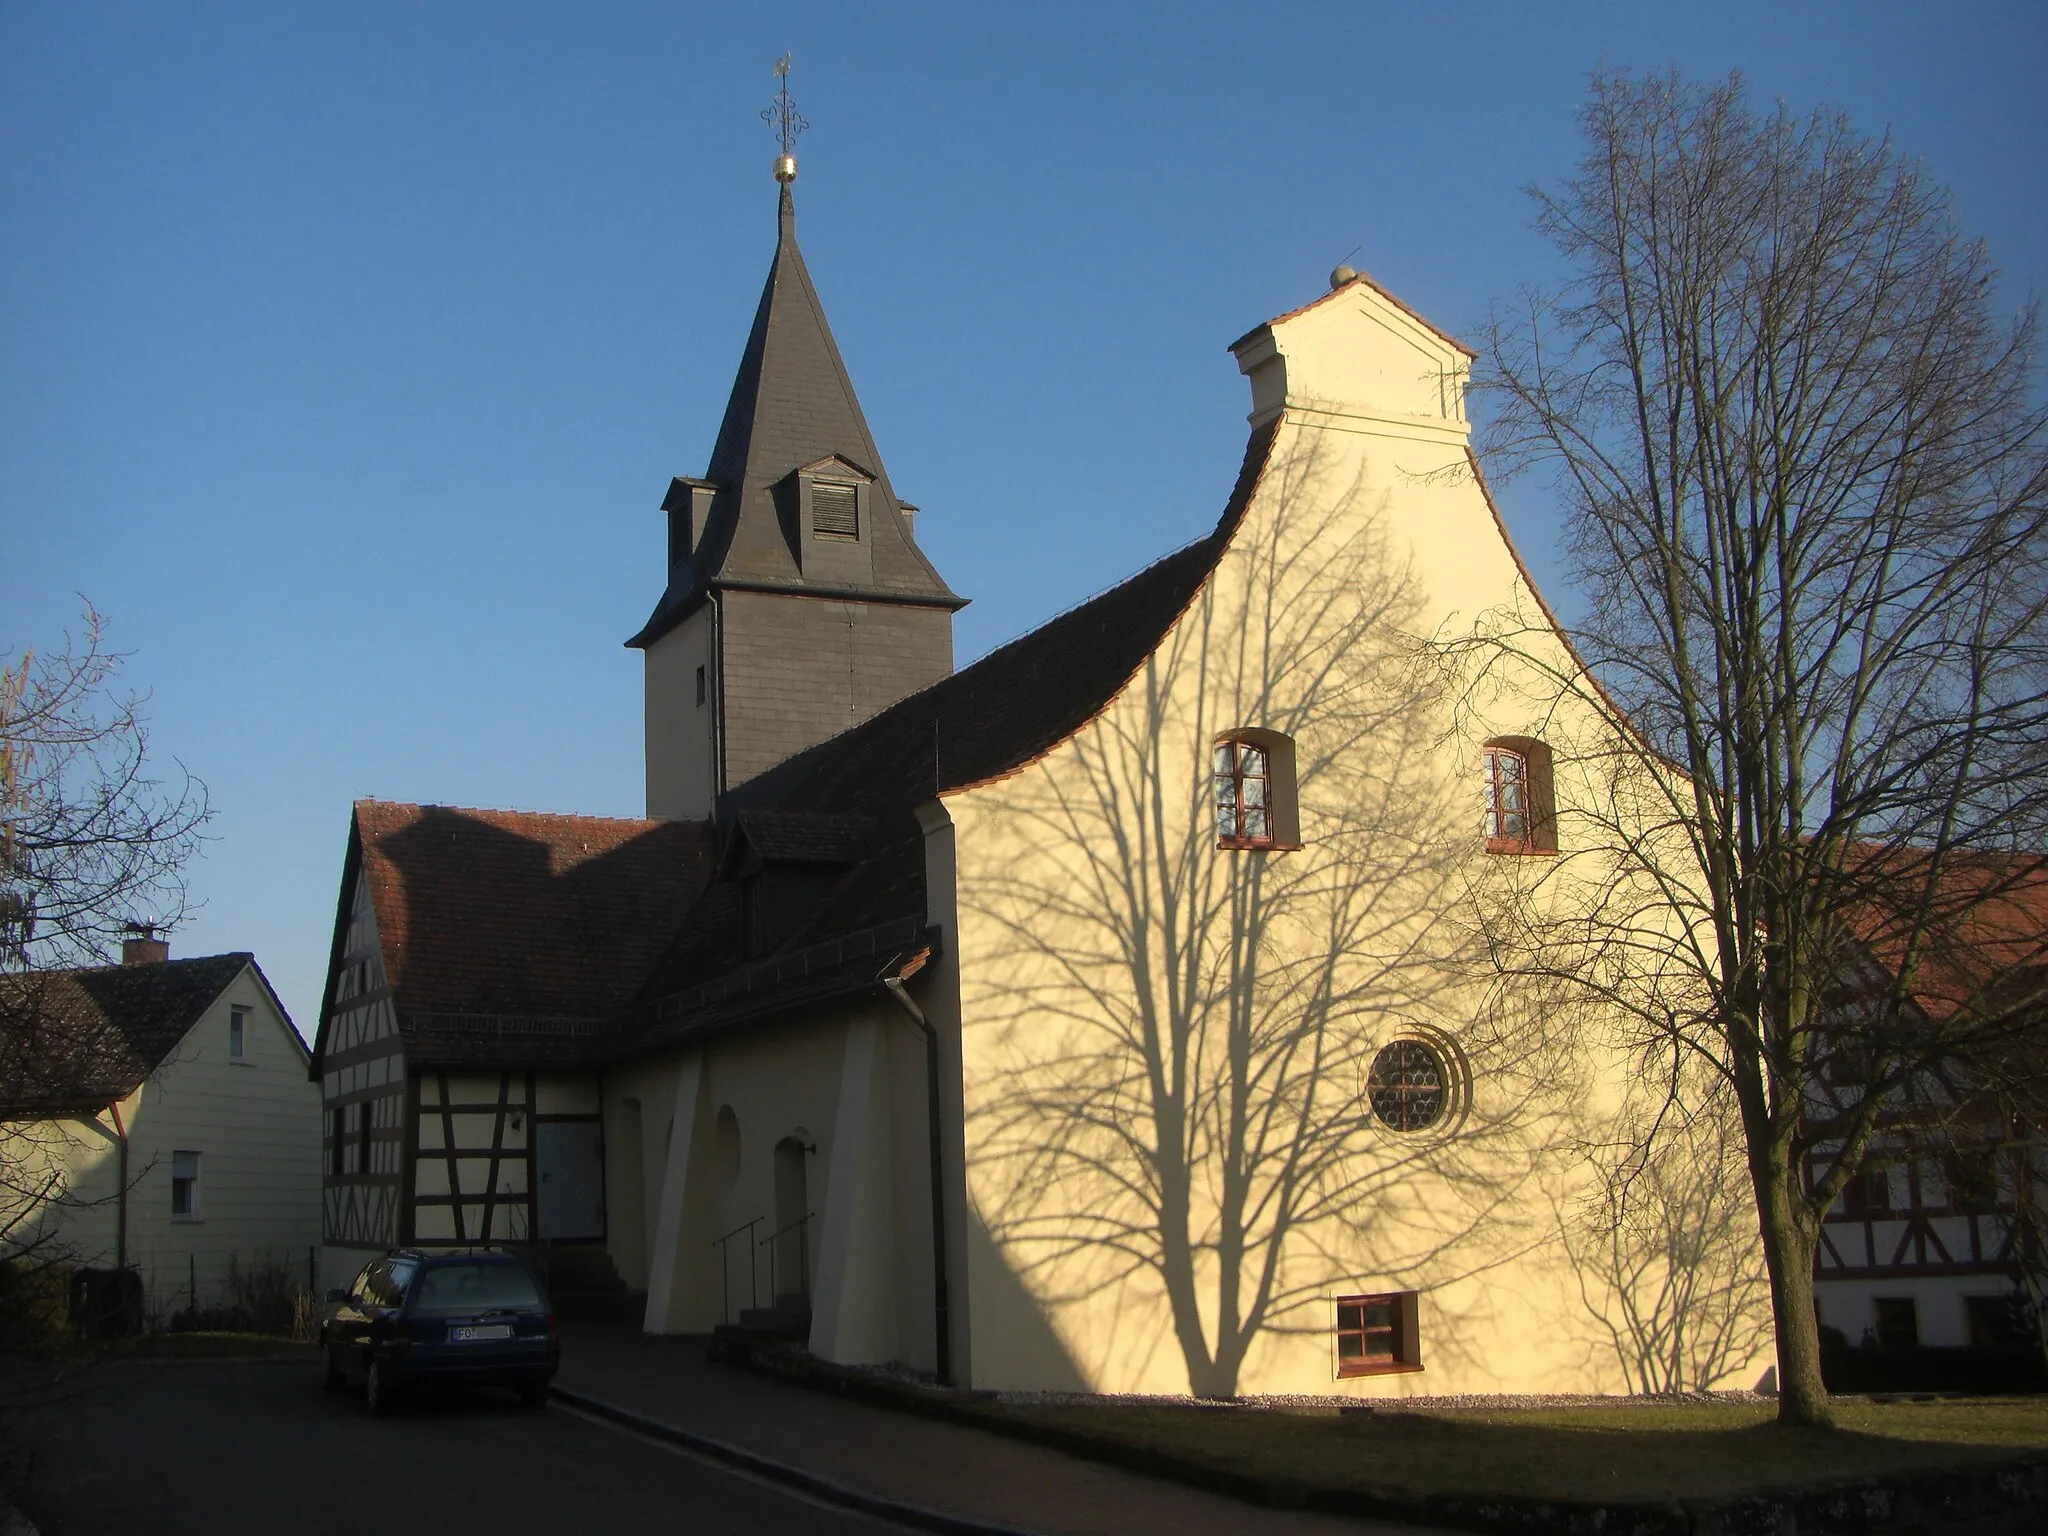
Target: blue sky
(346,351)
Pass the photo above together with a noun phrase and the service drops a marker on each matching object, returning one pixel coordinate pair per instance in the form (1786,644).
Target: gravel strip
(1306,1402)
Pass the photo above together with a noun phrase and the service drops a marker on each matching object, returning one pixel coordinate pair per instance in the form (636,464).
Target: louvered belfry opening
(835,511)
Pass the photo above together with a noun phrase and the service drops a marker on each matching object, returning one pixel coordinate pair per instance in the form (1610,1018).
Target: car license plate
(469,1332)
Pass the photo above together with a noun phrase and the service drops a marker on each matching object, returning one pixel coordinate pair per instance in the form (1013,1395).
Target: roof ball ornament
(1339,275)
(781,115)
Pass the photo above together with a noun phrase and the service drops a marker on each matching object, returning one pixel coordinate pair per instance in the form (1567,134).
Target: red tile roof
(1983,936)
(521,912)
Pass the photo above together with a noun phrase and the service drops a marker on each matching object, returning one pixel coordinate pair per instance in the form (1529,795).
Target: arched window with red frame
(1520,815)
(1252,779)
(1244,795)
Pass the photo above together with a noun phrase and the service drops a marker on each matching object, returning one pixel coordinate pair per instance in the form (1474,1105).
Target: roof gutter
(942,1318)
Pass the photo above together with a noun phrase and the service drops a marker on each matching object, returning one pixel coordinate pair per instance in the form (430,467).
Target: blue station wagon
(458,1319)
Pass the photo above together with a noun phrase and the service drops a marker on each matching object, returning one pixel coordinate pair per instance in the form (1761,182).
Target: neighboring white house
(158,1115)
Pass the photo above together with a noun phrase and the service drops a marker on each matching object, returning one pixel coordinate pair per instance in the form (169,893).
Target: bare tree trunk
(1788,1259)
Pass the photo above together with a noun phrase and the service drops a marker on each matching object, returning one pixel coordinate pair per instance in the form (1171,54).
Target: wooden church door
(570,1155)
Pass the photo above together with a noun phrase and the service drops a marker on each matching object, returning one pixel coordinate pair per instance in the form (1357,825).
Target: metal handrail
(802,1227)
(725,1269)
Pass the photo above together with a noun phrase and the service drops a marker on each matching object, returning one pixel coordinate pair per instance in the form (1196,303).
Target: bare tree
(89,842)
(1804,484)
(1185,1104)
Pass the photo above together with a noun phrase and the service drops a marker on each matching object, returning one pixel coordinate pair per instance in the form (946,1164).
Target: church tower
(798,603)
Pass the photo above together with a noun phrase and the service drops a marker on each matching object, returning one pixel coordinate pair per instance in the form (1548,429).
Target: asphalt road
(226,1449)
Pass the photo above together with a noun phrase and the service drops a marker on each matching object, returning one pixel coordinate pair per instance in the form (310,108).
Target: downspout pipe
(941,1303)
(121,1194)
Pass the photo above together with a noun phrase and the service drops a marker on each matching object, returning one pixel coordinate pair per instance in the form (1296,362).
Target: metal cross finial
(781,115)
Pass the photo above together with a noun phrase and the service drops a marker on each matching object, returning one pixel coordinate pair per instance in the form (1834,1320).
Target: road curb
(916,1516)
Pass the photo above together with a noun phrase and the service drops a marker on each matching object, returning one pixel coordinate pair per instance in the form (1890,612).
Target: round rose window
(1408,1086)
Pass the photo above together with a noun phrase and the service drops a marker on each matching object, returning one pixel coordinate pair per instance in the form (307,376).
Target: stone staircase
(787,1322)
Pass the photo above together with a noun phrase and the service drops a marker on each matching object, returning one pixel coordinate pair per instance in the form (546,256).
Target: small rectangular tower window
(238,1034)
(835,511)
(185,1186)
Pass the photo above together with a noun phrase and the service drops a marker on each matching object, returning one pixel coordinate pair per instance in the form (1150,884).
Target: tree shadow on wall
(1177,1036)
(1664,1245)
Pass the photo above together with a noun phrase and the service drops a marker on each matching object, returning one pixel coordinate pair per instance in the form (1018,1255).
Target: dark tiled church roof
(804,837)
(518,913)
(1017,702)
(83,1039)
(792,404)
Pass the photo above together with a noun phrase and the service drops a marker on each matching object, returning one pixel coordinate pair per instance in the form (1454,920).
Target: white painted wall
(255,1124)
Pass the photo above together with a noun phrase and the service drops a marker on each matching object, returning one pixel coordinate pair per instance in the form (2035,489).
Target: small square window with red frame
(1376,1334)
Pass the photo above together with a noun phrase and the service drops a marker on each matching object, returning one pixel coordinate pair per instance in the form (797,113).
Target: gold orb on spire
(781,115)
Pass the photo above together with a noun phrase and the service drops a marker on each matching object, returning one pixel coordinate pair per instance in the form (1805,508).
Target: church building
(1105,1015)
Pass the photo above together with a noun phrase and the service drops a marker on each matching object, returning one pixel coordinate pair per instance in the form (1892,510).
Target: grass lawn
(1626,1451)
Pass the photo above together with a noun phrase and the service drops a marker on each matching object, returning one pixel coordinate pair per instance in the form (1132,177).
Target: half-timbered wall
(363,1088)
(472,1157)
(484,1147)
(1901,1232)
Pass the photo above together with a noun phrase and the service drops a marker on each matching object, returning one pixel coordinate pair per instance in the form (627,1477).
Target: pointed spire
(792,406)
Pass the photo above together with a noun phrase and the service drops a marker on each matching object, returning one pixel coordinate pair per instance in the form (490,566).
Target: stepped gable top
(78,1040)
(792,404)
(518,914)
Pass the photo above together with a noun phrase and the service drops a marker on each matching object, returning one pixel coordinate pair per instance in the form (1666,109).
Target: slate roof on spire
(792,404)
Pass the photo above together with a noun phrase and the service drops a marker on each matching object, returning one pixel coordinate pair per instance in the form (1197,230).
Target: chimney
(143,947)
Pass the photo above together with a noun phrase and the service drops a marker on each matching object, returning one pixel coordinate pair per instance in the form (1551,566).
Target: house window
(1408,1086)
(184,1186)
(1999,1322)
(701,685)
(1973,1181)
(238,1034)
(1252,778)
(1898,1321)
(337,1149)
(835,510)
(1520,814)
(1869,1193)
(1376,1335)
(363,1124)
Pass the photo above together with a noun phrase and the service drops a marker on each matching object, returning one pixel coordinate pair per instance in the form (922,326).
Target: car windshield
(448,1289)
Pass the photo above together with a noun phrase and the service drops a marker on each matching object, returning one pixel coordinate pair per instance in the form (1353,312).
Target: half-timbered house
(1938,1242)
